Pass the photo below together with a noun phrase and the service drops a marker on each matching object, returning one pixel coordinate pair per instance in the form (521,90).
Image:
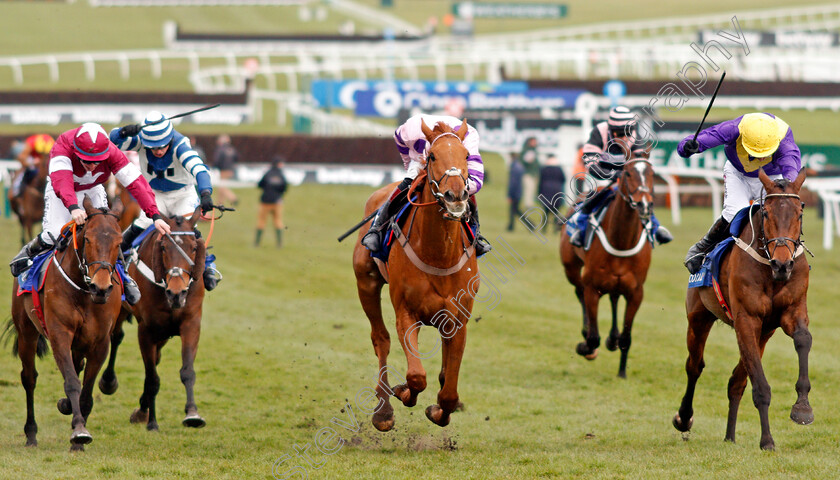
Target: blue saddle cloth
(33,279)
(388,237)
(581,222)
(711,264)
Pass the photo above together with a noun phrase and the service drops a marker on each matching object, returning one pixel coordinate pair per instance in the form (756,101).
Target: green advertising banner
(818,157)
(509,10)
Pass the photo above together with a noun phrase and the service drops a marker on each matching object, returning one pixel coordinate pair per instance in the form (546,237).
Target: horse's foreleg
(453,353)
(108,384)
(415,376)
(370,292)
(612,339)
(797,328)
(751,343)
(151,385)
(27,348)
(700,323)
(96,358)
(634,300)
(190,331)
(60,342)
(589,348)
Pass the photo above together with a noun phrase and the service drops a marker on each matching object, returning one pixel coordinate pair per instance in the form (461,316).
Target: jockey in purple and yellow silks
(751,141)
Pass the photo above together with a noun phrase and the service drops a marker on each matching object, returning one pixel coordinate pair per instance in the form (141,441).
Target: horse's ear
(797,184)
(118,209)
(765,180)
(462,131)
(195,216)
(87,203)
(426,130)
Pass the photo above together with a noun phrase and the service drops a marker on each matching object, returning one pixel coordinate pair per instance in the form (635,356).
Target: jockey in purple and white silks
(751,142)
(411,143)
(174,171)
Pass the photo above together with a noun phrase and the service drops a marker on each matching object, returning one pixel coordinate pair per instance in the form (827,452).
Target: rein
(646,222)
(147,272)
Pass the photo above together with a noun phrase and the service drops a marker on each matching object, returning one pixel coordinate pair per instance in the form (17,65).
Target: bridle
(778,241)
(628,197)
(435,184)
(84,265)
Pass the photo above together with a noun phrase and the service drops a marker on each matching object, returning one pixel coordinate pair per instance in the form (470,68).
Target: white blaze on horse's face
(447,168)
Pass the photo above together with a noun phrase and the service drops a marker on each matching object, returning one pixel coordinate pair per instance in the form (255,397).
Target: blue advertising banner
(388,103)
(342,93)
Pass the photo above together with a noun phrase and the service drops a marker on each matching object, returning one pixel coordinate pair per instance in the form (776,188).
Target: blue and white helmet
(159,131)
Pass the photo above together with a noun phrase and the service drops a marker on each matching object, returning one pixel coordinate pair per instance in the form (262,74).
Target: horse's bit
(452,172)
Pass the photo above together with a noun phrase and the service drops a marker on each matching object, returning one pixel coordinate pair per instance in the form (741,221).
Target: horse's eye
(432,157)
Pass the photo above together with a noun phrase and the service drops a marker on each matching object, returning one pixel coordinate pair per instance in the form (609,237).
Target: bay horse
(765,285)
(80,307)
(29,205)
(617,261)
(169,272)
(428,267)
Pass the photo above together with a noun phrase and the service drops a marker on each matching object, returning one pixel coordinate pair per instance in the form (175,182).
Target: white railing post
(122,59)
(154,60)
(17,71)
(90,68)
(52,65)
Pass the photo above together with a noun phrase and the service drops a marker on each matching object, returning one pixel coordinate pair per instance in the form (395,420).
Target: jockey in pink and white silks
(174,171)
(412,144)
(81,161)
(604,159)
(751,142)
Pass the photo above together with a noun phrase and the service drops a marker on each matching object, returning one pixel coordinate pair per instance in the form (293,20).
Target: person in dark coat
(273,185)
(552,182)
(514,193)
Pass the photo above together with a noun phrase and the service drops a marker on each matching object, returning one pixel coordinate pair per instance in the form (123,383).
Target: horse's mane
(442,127)
(782,183)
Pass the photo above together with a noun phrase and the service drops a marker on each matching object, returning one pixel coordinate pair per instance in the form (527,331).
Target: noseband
(84,265)
(779,241)
(451,172)
(178,271)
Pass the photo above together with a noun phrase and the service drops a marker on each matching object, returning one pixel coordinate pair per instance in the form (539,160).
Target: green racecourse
(285,345)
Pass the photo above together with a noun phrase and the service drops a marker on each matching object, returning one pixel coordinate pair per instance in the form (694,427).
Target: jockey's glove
(691,147)
(206,202)
(130,130)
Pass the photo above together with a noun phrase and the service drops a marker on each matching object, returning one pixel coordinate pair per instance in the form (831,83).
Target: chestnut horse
(429,266)
(616,263)
(80,306)
(765,285)
(29,205)
(169,272)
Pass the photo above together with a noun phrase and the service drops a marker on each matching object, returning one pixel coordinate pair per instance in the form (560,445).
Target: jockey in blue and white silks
(174,171)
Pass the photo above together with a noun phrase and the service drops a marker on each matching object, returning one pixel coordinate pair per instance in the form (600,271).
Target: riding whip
(357,226)
(208,107)
(711,102)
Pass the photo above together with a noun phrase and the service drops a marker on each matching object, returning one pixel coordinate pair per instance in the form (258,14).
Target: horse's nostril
(449,196)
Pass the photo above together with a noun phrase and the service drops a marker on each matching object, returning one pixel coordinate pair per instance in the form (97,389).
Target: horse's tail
(10,334)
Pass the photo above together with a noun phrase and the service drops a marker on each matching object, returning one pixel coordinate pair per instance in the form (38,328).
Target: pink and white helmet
(91,143)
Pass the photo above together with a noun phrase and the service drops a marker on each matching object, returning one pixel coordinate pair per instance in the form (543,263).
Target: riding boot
(662,235)
(23,260)
(130,288)
(212,276)
(482,246)
(129,235)
(696,254)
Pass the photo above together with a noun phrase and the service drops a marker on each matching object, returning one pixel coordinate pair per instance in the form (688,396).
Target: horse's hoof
(64,406)
(436,415)
(31,442)
(611,343)
(108,387)
(139,416)
(682,426)
(383,425)
(193,421)
(402,392)
(81,437)
(802,414)
(152,427)
(769,446)
(383,417)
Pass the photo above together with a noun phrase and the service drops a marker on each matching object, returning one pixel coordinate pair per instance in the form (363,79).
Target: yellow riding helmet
(43,143)
(760,134)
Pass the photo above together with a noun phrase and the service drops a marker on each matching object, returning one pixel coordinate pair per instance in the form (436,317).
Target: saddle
(709,272)
(593,222)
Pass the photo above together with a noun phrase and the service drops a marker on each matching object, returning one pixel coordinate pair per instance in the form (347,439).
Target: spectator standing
(225,159)
(552,182)
(530,160)
(273,185)
(514,193)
